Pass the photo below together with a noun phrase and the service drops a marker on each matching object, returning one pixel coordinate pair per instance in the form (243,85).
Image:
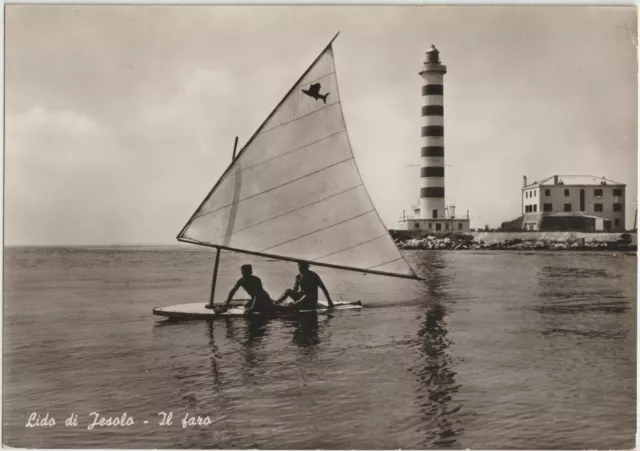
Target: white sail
(294,191)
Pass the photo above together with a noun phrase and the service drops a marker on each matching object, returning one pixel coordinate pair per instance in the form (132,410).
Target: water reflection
(436,376)
(432,268)
(306,332)
(306,329)
(222,402)
(256,330)
(250,336)
(250,333)
(215,355)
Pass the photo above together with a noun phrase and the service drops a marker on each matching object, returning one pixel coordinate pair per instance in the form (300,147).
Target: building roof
(575,180)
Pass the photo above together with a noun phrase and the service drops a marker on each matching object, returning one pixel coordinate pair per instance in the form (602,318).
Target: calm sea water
(492,350)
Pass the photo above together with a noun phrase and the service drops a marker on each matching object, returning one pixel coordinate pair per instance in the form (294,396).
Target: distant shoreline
(86,246)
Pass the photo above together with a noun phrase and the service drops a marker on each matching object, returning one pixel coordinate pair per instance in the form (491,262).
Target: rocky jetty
(468,242)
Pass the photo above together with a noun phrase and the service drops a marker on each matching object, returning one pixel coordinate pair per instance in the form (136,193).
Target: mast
(235,146)
(214,278)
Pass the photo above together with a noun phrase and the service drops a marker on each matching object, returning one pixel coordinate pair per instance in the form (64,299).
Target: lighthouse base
(435,225)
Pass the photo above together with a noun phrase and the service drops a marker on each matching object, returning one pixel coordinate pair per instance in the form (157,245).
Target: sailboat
(294,193)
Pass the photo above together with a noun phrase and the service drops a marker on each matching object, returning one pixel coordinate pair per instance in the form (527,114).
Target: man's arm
(249,309)
(300,301)
(232,292)
(325,291)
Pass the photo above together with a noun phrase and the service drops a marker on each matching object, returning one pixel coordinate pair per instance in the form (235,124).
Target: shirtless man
(260,300)
(305,290)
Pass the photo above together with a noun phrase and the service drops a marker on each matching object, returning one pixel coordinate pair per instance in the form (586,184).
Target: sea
(491,350)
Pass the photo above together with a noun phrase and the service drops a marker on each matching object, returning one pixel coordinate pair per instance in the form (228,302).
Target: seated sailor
(305,290)
(260,300)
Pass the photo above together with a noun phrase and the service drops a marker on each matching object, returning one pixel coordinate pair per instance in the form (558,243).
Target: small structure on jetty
(571,202)
(432,214)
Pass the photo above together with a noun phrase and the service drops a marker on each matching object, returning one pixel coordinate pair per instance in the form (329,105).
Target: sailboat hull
(199,311)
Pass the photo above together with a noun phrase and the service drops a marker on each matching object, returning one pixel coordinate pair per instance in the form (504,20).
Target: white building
(573,202)
(449,223)
(432,214)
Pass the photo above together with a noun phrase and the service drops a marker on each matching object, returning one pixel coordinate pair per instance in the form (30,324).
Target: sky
(120,119)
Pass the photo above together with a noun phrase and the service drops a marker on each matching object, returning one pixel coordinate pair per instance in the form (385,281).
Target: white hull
(200,311)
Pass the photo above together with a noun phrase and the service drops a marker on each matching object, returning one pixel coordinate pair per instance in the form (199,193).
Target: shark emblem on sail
(314,91)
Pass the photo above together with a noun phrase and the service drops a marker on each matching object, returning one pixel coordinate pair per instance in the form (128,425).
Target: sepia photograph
(320,227)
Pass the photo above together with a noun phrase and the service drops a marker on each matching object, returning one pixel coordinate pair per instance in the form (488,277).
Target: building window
(535,194)
(617,192)
(616,221)
(547,207)
(567,207)
(597,192)
(417,225)
(617,207)
(446,226)
(547,192)
(430,226)
(434,214)
(597,207)
(459,226)
(526,194)
(566,193)
(438,226)
(535,208)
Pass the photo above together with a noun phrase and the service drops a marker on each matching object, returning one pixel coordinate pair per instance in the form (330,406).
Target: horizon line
(5,245)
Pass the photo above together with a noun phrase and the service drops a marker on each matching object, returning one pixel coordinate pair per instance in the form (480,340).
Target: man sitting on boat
(260,300)
(305,290)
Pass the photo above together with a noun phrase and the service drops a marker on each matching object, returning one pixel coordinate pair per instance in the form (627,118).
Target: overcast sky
(119,119)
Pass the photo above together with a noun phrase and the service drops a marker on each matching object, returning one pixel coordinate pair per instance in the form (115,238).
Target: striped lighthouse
(432,171)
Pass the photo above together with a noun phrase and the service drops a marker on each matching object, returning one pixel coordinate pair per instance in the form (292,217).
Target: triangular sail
(294,191)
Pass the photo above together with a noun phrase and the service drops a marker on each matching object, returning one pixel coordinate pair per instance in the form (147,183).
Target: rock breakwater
(468,242)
